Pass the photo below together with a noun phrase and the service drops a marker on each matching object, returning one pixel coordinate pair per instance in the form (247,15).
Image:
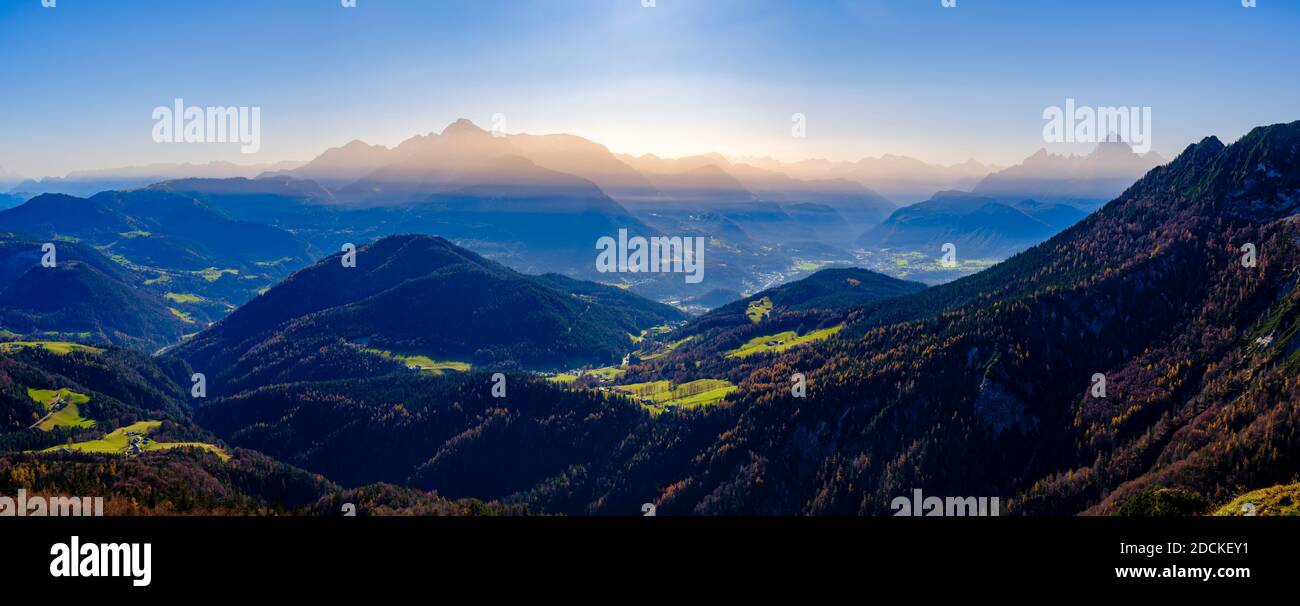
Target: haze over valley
(692,258)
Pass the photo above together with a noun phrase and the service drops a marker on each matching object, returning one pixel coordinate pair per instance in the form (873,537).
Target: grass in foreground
(1280,500)
(781,341)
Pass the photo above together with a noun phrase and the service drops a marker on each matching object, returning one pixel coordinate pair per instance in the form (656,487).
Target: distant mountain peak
(356,144)
(463,127)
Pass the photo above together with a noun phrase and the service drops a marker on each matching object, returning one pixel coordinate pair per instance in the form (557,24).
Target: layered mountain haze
(87,183)
(1086,180)
(584,158)
(708,184)
(340,166)
(418,295)
(383,372)
(713,178)
(899,178)
(539,202)
(946,389)
(978,226)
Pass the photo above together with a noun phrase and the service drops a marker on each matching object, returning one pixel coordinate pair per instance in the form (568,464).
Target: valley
(494,369)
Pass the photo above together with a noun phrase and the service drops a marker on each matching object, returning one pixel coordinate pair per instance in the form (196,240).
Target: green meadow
(212,274)
(58,347)
(117,442)
(759,309)
(424,363)
(781,341)
(609,373)
(68,416)
(182,297)
(663,394)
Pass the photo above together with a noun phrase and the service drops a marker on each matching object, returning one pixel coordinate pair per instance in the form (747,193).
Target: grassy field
(609,373)
(58,347)
(425,363)
(68,416)
(182,297)
(119,440)
(663,394)
(759,310)
(213,274)
(781,341)
(184,317)
(1280,500)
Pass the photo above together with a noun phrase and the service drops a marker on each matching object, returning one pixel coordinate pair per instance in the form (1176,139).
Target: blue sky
(686,76)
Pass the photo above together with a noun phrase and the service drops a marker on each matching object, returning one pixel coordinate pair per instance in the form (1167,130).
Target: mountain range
(978,226)
(902,179)
(1087,180)
(84,297)
(418,295)
(536,202)
(983,386)
(85,183)
(1179,294)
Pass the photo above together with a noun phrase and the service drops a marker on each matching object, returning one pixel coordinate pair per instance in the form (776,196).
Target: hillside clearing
(120,440)
(57,347)
(781,341)
(658,396)
(61,407)
(423,363)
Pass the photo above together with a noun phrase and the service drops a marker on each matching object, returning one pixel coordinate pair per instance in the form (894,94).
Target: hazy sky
(686,76)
